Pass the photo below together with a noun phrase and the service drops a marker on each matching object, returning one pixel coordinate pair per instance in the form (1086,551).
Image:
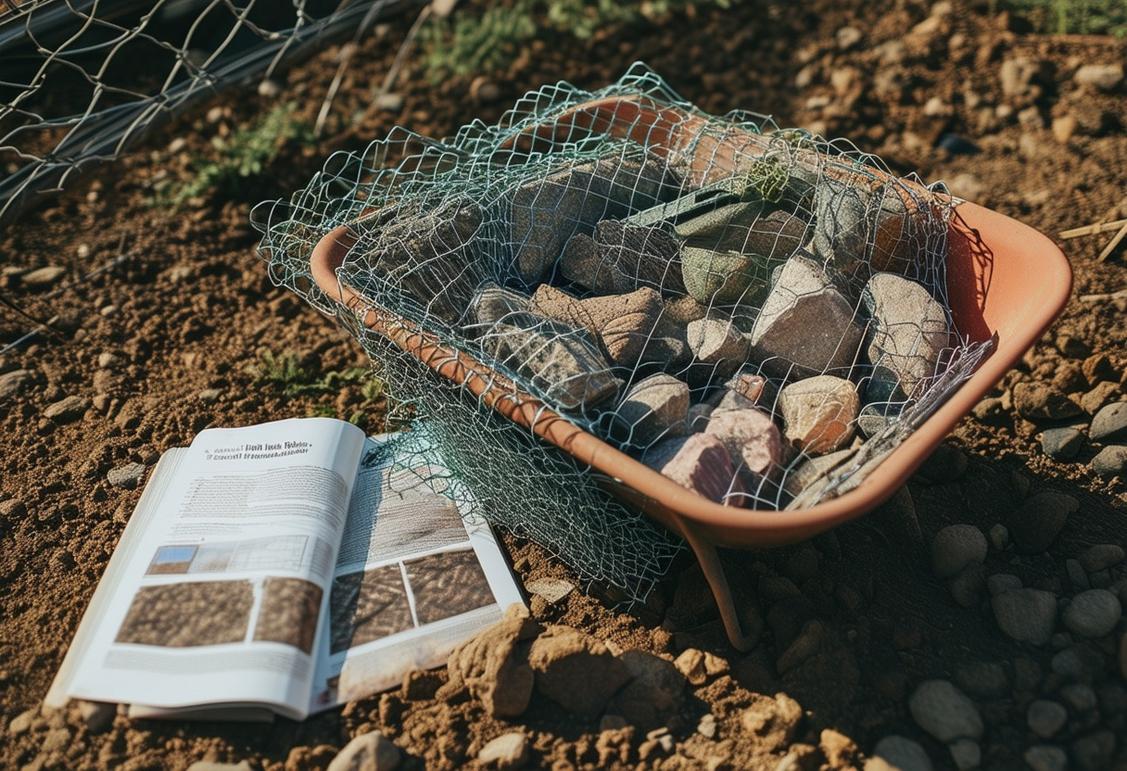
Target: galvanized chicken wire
(758,313)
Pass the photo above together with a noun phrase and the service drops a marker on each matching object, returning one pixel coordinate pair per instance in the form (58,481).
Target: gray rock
(1101,556)
(999,536)
(1046,757)
(42,277)
(1045,717)
(1026,615)
(966,587)
(655,407)
(985,679)
(1062,443)
(66,409)
(966,754)
(559,361)
(544,213)
(492,303)
(633,256)
(1002,582)
(713,277)
(1111,461)
(1110,424)
(11,383)
(127,476)
(1039,520)
(717,345)
(1094,751)
(1076,575)
(877,416)
(944,711)
(1093,613)
(1077,662)
(805,324)
(955,547)
(818,413)
(507,751)
(1105,77)
(909,332)
(902,754)
(367,752)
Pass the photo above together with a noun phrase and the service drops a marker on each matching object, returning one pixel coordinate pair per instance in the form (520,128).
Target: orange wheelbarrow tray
(1004,280)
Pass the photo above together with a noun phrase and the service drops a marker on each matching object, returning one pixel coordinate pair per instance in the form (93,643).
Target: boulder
(909,331)
(818,413)
(575,671)
(806,324)
(655,407)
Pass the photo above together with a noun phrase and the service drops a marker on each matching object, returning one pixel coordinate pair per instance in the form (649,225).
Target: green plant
(245,153)
(1062,17)
(467,44)
(285,372)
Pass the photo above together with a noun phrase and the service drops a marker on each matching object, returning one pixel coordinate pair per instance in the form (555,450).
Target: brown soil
(186,311)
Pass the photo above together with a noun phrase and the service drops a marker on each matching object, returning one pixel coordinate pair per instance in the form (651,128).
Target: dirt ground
(163,344)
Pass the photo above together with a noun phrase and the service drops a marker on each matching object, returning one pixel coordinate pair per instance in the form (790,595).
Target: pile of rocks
(744,346)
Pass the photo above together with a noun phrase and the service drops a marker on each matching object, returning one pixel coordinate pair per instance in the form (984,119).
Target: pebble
(66,409)
(1077,662)
(42,277)
(944,711)
(1102,556)
(97,716)
(1076,575)
(1039,402)
(1063,128)
(655,407)
(507,751)
(818,413)
(1110,424)
(1110,462)
(909,332)
(209,395)
(1079,697)
(1062,443)
(902,753)
(966,587)
(127,476)
(1039,520)
(718,344)
(999,536)
(707,726)
(1045,757)
(1096,399)
(1093,613)
(389,102)
(23,722)
(982,678)
(966,754)
(751,436)
(367,752)
(1045,717)
(1026,615)
(11,383)
(1105,77)
(805,322)
(1093,752)
(955,547)
(847,37)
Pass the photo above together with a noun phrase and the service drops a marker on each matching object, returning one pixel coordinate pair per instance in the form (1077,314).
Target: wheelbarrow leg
(709,560)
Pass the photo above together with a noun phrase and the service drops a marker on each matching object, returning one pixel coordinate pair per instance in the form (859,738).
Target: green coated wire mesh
(757,313)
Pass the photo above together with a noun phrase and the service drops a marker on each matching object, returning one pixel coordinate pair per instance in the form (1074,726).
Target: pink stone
(703,465)
(751,437)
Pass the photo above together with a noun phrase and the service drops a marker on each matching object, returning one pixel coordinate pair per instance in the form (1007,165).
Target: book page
(224,595)
(415,577)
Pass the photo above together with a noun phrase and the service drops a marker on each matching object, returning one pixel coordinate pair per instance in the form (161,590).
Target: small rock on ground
(944,711)
(1101,556)
(1026,615)
(367,752)
(1110,424)
(1045,717)
(127,476)
(955,547)
(1093,613)
(507,751)
(1045,757)
(899,752)
(1110,462)
(1062,443)
(1039,520)
(66,409)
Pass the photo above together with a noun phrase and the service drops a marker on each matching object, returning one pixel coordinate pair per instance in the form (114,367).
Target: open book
(281,568)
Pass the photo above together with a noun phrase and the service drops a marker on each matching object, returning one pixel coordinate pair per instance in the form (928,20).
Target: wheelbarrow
(1005,282)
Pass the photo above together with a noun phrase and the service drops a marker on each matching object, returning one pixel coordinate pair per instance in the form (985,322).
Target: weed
(1062,17)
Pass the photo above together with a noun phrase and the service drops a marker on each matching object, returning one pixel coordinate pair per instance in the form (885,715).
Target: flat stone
(558,360)
(1101,556)
(909,332)
(507,751)
(717,345)
(944,711)
(901,753)
(66,409)
(1093,613)
(1062,443)
(818,413)
(806,324)
(575,671)
(751,437)
(551,590)
(43,277)
(750,386)
(1039,402)
(701,463)
(632,256)
(655,407)
(1110,462)
(127,476)
(955,547)
(367,752)
(1040,519)
(1026,615)
(1109,424)
(1045,757)
(11,383)
(814,469)
(1104,77)
(1045,717)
